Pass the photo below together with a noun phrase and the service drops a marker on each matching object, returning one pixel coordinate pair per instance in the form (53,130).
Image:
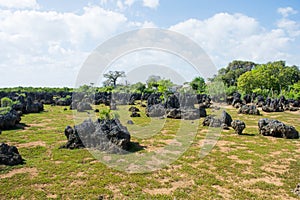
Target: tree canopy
(112,77)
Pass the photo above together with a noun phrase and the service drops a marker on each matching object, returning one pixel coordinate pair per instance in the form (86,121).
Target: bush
(6,102)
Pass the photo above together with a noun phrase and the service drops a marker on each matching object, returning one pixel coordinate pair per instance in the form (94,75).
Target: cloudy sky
(46,42)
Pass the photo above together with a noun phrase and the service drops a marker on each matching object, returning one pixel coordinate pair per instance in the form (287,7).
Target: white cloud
(226,37)
(129,2)
(285,12)
(151,3)
(39,47)
(19,4)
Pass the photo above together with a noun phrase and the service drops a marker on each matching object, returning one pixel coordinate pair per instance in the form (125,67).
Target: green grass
(238,167)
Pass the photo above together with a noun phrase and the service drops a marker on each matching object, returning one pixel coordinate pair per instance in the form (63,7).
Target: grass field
(246,166)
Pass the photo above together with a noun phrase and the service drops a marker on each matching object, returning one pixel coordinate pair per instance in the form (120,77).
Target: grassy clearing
(239,166)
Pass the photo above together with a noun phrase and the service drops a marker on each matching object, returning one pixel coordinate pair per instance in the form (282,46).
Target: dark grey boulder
(238,126)
(133,109)
(249,109)
(83,106)
(275,128)
(156,110)
(135,114)
(9,155)
(104,135)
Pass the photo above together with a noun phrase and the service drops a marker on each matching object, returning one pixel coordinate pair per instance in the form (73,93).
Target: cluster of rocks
(104,134)
(134,111)
(224,121)
(9,155)
(268,105)
(238,126)
(80,106)
(9,119)
(275,128)
(249,109)
(177,106)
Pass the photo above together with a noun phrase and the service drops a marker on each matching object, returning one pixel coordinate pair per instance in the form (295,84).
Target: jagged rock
(202,112)
(275,128)
(130,122)
(83,106)
(33,107)
(250,110)
(226,118)
(238,126)
(156,110)
(9,155)
(9,119)
(273,105)
(224,121)
(172,102)
(190,114)
(260,101)
(133,109)
(135,114)
(247,98)
(104,134)
(74,141)
(212,121)
(173,113)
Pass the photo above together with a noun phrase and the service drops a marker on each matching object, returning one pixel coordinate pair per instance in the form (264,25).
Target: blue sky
(45,43)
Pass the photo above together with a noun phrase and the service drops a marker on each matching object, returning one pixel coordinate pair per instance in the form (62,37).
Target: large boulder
(9,119)
(173,113)
(9,155)
(223,121)
(238,126)
(104,134)
(249,109)
(83,106)
(226,118)
(172,102)
(156,110)
(275,128)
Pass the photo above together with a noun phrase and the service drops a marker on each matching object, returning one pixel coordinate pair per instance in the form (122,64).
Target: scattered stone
(130,122)
(133,109)
(83,106)
(202,112)
(156,110)
(135,114)
(224,121)
(249,109)
(238,126)
(275,128)
(104,135)
(9,155)
(9,119)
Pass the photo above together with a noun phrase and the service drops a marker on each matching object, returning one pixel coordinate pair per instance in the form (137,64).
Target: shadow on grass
(135,147)
(19,126)
(248,134)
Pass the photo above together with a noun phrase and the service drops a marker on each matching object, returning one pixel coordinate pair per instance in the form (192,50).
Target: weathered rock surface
(105,135)
(9,155)
(275,128)
(238,126)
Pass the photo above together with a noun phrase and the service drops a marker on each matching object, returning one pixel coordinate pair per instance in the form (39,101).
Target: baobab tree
(112,77)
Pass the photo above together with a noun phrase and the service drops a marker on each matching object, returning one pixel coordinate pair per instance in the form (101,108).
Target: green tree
(198,84)
(112,77)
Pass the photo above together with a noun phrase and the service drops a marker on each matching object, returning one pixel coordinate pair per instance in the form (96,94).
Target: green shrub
(6,102)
